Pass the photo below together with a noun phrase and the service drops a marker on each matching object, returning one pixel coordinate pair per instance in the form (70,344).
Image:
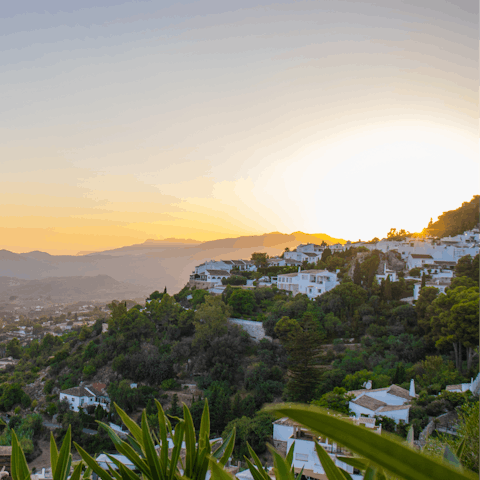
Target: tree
(357,274)
(210,321)
(302,342)
(455,322)
(255,431)
(467,267)
(424,281)
(14,348)
(337,400)
(259,259)
(242,302)
(387,289)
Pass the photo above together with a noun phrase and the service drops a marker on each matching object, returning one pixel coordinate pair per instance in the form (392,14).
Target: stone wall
(254,329)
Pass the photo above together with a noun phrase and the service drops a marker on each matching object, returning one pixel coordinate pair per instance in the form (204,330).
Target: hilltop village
(426,261)
(383,334)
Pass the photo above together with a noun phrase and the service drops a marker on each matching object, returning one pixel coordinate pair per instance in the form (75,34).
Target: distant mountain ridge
(142,268)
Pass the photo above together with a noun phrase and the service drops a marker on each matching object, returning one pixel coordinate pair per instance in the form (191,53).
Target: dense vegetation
(455,222)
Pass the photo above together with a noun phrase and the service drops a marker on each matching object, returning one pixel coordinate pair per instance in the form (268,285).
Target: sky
(122,121)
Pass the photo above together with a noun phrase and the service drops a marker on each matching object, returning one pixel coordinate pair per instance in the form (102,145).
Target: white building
(473,386)
(387,273)
(227,265)
(309,282)
(85,396)
(441,286)
(212,275)
(392,402)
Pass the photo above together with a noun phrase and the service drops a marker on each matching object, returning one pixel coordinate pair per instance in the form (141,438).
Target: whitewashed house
(418,260)
(85,396)
(309,282)
(439,285)
(392,402)
(387,273)
(214,276)
(472,386)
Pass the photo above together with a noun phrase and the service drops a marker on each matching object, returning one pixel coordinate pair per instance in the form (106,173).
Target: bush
(170,384)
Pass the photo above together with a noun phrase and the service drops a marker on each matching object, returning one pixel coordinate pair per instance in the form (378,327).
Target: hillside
(455,222)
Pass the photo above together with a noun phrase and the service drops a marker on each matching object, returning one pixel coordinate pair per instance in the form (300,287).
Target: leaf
(459,451)
(190,440)
(53,454)
(103,474)
(255,458)
(218,472)
(256,474)
(223,453)
(125,449)
(162,421)
(177,445)
(149,448)
(282,469)
(410,436)
(331,470)
(289,456)
(64,459)
(77,472)
(204,427)
(134,429)
(450,457)
(384,450)
(355,462)
(19,466)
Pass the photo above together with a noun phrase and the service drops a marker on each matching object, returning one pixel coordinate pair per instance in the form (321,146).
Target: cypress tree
(357,274)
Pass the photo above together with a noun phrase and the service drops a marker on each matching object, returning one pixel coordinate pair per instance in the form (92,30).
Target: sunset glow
(205,120)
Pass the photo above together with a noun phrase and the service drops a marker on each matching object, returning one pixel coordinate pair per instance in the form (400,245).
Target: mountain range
(135,270)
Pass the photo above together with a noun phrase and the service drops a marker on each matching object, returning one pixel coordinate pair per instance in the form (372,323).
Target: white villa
(309,282)
(85,396)
(392,402)
(473,386)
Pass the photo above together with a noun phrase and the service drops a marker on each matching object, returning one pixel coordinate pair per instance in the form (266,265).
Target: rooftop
(368,402)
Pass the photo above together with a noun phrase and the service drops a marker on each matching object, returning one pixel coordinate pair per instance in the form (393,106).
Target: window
(301,456)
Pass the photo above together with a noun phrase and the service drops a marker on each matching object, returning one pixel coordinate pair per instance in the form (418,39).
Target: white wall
(282,432)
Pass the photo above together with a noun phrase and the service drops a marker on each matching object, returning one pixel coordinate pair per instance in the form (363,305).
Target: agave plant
(163,465)
(60,462)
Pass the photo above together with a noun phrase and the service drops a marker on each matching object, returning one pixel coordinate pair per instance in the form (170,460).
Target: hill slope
(454,222)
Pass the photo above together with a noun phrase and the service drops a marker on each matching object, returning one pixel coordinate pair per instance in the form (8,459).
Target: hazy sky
(127,120)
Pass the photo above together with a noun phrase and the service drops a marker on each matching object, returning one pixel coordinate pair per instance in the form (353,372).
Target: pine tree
(357,274)
(387,289)
(302,342)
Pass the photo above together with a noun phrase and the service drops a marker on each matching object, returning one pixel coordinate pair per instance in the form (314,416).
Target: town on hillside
(382,334)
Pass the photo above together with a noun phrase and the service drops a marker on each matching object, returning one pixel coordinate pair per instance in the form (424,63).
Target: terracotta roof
(444,262)
(310,254)
(78,392)
(98,389)
(399,392)
(420,255)
(365,390)
(453,387)
(217,272)
(368,402)
(288,274)
(390,408)
(286,421)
